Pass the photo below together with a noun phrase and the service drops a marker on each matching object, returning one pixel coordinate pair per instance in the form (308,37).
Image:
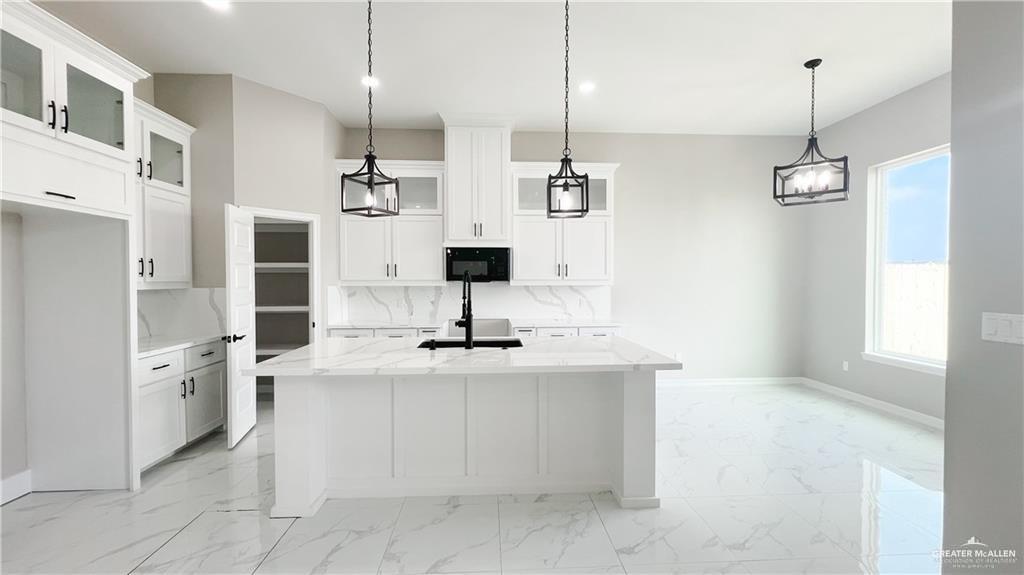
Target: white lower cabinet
(404,250)
(557,331)
(204,403)
(161,422)
(181,406)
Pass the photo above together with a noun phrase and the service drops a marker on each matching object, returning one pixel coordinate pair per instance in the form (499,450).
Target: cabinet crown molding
(147,110)
(38,18)
(478,120)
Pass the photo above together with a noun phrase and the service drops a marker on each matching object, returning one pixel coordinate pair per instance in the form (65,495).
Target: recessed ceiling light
(370,81)
(218,5)
(587,87)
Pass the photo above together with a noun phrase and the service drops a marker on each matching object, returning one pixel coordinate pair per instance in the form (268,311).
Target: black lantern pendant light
(568,192)
(813,178)
(369,192)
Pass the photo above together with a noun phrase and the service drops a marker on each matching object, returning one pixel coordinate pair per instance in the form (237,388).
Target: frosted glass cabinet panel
(419,193)
(95,109)
(21,80)
(167,157)
(530,195)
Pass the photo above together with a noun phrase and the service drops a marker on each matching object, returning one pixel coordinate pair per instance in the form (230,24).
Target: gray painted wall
(834,286)
(984,456)
(12,348)
(206,102)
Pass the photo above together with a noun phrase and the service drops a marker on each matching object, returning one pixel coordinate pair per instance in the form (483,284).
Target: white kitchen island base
(570,429)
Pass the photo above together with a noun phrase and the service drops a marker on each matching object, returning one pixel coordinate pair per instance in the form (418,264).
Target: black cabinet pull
(151,267)
(396,270)
(183,389)
(566,270)
(53,114)
(192,380)
(387,270)
(67,119)
(206,354)
(149,170)
(59,195)
(161,366)
(139,173)
(142,268)
(235,338)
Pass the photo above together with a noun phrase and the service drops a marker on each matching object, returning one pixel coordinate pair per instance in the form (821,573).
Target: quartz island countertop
(400,356)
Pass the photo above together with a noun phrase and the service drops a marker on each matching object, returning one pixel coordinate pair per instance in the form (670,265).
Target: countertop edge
(395,372)
(183,343)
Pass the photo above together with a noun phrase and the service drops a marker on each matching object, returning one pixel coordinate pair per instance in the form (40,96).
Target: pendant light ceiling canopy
(813,178)
(568,192)
(369,192)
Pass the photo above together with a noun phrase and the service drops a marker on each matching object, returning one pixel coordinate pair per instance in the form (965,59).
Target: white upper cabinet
(478,184)
(164,209)
(67,109)
(399,250)
(575,251)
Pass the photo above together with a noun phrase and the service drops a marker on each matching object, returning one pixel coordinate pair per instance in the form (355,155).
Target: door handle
(142,268)
(396,270)
(151,267)
(139,173)
(481,229)
(183,389)
(235,338)
(192,391)
(387,269)
(149,167)
(566,270)
(53,114)
(67,119)
(558,271)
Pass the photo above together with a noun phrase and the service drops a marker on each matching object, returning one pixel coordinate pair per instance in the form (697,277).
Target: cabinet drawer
(40,173)
(161,366)
(524,332)
(395,332)
(429,332)
(598,331)
(557,331)
(203,355)
(350,332)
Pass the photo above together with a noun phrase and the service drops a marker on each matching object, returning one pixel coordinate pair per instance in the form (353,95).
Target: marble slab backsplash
(433,305)
(182,312)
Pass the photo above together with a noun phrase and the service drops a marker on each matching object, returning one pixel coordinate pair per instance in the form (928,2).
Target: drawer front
(203,355)
(429,332)
(557,331)
(161,366)
(598,331)
(350,332)
(395,332)
(40,173)
(524,332)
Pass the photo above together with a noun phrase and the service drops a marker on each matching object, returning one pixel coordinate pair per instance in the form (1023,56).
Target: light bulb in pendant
(370,201)
(565,198)
(824,179)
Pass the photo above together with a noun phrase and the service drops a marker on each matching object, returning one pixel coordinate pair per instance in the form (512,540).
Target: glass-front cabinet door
(95,108)
(26,79)
(530,182)
(164,158)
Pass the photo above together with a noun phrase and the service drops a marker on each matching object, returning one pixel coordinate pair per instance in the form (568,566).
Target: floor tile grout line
(607,534)
(391,535)
(164,544)
(276,543)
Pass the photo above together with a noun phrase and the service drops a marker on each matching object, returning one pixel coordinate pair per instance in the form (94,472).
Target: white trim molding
(15,486)
(934,368)
(885,406)
(674,379)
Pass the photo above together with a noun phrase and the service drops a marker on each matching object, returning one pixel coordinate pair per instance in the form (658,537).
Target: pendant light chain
(566,151)
(370,75)
(812,132)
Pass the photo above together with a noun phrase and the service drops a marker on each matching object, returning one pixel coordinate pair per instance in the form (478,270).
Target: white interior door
(241,300)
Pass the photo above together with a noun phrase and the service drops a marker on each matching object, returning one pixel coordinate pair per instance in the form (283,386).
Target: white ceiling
(711,68)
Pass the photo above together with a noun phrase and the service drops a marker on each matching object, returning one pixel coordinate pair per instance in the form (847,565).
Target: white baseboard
(915,416)
(669,381)
(15,486)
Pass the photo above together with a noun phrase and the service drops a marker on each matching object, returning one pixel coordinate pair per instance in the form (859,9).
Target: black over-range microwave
(484,264)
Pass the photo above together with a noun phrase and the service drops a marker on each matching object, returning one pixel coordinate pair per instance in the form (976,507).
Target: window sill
(923,366)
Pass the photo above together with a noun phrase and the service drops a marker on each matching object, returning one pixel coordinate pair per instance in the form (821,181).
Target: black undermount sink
(504,343)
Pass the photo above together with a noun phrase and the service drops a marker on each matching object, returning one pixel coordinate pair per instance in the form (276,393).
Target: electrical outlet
(846,365)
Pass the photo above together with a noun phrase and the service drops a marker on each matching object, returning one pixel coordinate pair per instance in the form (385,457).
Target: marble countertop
(157,344)
(400,356)
(516,322)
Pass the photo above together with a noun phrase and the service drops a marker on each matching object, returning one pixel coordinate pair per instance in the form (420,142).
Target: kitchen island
(378,417)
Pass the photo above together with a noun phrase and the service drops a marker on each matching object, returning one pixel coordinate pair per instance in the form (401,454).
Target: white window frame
(876,226)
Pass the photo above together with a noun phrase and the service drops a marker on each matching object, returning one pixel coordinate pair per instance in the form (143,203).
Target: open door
(240,256)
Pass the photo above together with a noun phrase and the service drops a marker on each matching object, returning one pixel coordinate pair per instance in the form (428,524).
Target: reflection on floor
(754,479)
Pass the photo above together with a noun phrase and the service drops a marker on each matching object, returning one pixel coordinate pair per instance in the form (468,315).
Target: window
(908,262)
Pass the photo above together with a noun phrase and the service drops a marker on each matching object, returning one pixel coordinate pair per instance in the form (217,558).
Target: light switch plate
(1002,327)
